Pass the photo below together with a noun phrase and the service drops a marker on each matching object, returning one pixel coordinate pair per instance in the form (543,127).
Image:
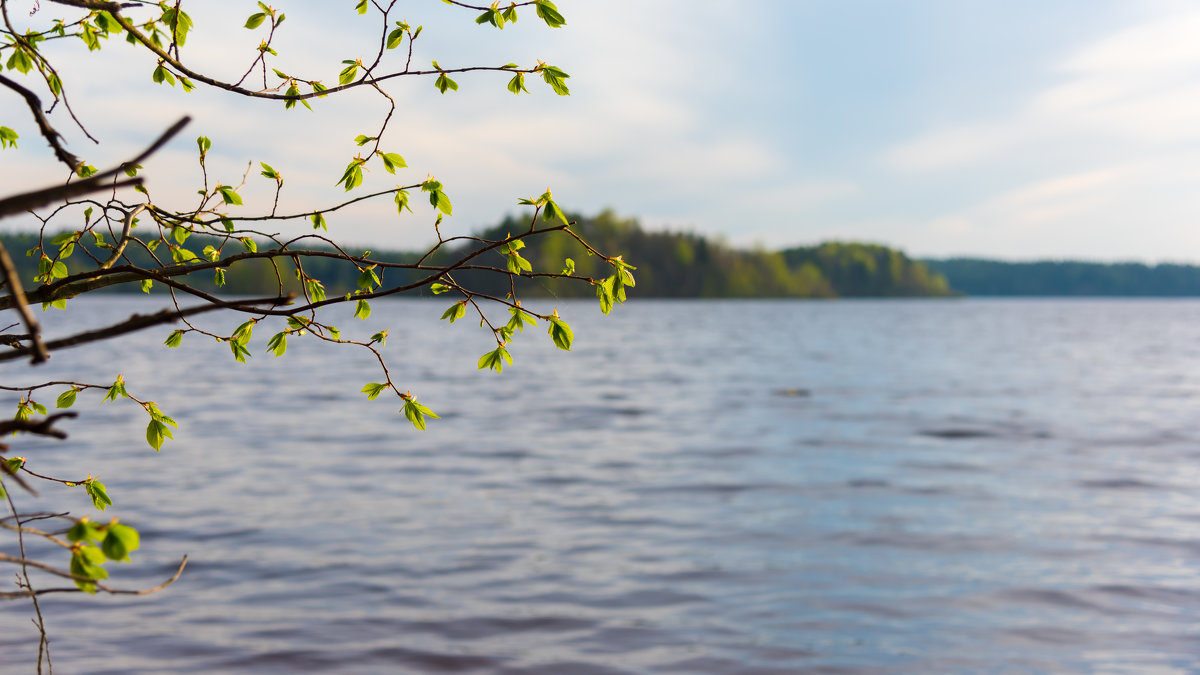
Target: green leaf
(8,138)
(394,38)
(416,413)
(362,310)
(519,320)
(229,195)
(316,290)
(438,289)
(249,244)
(66,399)
(561,333)
(367,279)
(517,84)
(380,337)
(568,267)
(605,294)
(437,197)
(156,431)
(551,210)
(269,172)
(255,20)
(82,567)
(374,389)
(219,276)
(174,339)
(120,541)
(95,490)
(392,161)
(117,389)
(402,202)
(361,140)
(82,530)
(353,176)
(348,73)
(180,23)
(240,353)
(20,59)
(444,83)
(361,7)
(555,78)
(318,221)
(547,12)
(456,311)
(495,359)
(163,75)
(493,16)
(278,344)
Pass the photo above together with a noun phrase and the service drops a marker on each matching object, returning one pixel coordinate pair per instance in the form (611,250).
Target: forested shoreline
(676,265)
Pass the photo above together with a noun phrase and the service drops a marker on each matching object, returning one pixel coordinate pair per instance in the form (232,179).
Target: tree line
(975,276)
(668,265)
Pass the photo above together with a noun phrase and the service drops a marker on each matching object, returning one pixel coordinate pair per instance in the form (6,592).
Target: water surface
(699,487)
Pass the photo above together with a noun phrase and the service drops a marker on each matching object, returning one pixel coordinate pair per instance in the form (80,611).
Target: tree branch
(31,200)
(142,321)
(13,280)
(48,132)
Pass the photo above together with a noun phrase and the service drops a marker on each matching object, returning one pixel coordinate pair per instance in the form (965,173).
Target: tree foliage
(104,227)
(975,276)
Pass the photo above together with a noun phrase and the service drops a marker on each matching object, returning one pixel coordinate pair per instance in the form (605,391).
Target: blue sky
(1015,130)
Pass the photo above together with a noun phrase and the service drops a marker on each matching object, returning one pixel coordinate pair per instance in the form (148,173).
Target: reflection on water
(701,487)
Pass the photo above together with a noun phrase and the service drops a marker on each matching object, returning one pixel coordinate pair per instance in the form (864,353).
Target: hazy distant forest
(684,265)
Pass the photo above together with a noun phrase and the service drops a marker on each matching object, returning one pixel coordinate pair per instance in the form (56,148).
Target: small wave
(1120,484)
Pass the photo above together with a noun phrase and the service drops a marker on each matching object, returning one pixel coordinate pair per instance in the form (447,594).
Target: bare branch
(48,132)
(13,280)
(31,200)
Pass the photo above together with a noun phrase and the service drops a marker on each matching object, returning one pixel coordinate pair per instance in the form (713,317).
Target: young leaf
(278,344)
(444,83)
(392,161)
(95,490)
(229,195)
(547,12)
(495,359)
(353,176)
(394,38)
(255,20)
(174,339)
(318,221)
(367,279)
(66,399)
(416,413)
(561,333)
(8,138)
(517,84)
(348,73)
(120,541)
(156,431)
(362,310)
(456,311)
(402,202)
(374,389)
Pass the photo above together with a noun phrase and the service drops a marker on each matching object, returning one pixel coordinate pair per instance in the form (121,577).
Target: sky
(1013,130)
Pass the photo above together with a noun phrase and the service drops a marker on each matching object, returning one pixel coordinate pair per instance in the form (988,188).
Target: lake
(761,487)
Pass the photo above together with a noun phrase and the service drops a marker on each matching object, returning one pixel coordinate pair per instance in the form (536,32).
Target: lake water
(699,487)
